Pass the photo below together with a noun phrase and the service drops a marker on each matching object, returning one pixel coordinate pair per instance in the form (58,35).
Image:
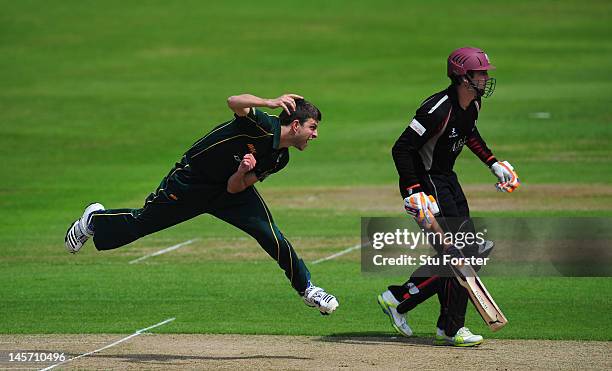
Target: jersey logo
(453,133)
(458,145)
(237,158)
(416,126)
(252,148)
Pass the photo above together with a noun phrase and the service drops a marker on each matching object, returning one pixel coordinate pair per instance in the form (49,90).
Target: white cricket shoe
(317,297)
(463,338)
(80,231)
(389,304)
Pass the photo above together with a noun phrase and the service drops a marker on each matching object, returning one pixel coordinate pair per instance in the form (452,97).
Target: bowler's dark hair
(304,110)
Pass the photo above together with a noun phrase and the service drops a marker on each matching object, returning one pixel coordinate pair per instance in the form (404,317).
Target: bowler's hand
(286,101)
(247,164)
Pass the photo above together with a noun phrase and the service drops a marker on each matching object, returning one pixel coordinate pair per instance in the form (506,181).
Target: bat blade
(482,300)
(479,295)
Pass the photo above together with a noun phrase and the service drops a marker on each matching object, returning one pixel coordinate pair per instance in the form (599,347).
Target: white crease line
(138,332)
(168,249)
(345,251)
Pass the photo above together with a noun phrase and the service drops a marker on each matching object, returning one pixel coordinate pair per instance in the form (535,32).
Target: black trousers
(179,198)
(427,281)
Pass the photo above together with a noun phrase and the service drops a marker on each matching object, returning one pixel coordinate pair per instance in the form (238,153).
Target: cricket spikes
(81,229)
(317,297)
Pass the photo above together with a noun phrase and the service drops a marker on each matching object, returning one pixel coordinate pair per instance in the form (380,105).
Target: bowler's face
(305,132)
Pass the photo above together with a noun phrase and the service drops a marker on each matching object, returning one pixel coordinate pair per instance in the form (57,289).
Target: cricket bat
(482,300)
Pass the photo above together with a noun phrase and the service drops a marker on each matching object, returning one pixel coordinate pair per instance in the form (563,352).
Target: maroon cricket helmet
(467,59)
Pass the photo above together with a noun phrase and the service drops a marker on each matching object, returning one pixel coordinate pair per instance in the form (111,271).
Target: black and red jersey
(435,137)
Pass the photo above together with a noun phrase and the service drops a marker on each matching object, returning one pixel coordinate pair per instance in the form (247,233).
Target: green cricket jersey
(216,156)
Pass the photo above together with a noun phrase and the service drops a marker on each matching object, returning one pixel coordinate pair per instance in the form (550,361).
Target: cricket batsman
(424,157)
(216,175)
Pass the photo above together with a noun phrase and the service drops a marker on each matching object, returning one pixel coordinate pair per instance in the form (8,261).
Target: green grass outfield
(98,100)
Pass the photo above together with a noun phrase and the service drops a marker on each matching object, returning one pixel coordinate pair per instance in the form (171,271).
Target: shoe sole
(385,308)
(330,311)
(442,342)
(326,313)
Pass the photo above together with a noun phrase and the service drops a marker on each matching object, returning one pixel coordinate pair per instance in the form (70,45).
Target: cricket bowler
(424,157)
(216,176)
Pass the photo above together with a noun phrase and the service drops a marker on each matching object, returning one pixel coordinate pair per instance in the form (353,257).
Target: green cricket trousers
(178,199)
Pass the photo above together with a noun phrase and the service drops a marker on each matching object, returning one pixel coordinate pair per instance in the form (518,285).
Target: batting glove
(508,178)
(421,207)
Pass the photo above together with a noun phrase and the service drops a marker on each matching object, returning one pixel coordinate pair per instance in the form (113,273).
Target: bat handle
(434,227)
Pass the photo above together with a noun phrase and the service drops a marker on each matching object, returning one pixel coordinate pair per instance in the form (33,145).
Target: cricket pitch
(179,351)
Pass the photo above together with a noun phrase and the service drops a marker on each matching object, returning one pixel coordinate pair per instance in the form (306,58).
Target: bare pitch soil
(175,352)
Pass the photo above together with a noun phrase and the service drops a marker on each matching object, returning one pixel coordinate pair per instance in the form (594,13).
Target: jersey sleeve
(261,119)
(425,125)
(477,145)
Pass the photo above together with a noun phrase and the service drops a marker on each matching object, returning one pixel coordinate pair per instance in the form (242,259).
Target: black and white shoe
(317,297)
(80,231)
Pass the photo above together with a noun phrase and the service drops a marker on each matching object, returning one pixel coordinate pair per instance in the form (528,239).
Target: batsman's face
(480,79)
(305,132)
(485,85)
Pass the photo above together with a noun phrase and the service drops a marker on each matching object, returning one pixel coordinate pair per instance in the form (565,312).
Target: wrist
(491,160)
(413,189)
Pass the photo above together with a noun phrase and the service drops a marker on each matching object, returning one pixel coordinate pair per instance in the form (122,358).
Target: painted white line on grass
(138,332)
(168,249)
(345,251)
